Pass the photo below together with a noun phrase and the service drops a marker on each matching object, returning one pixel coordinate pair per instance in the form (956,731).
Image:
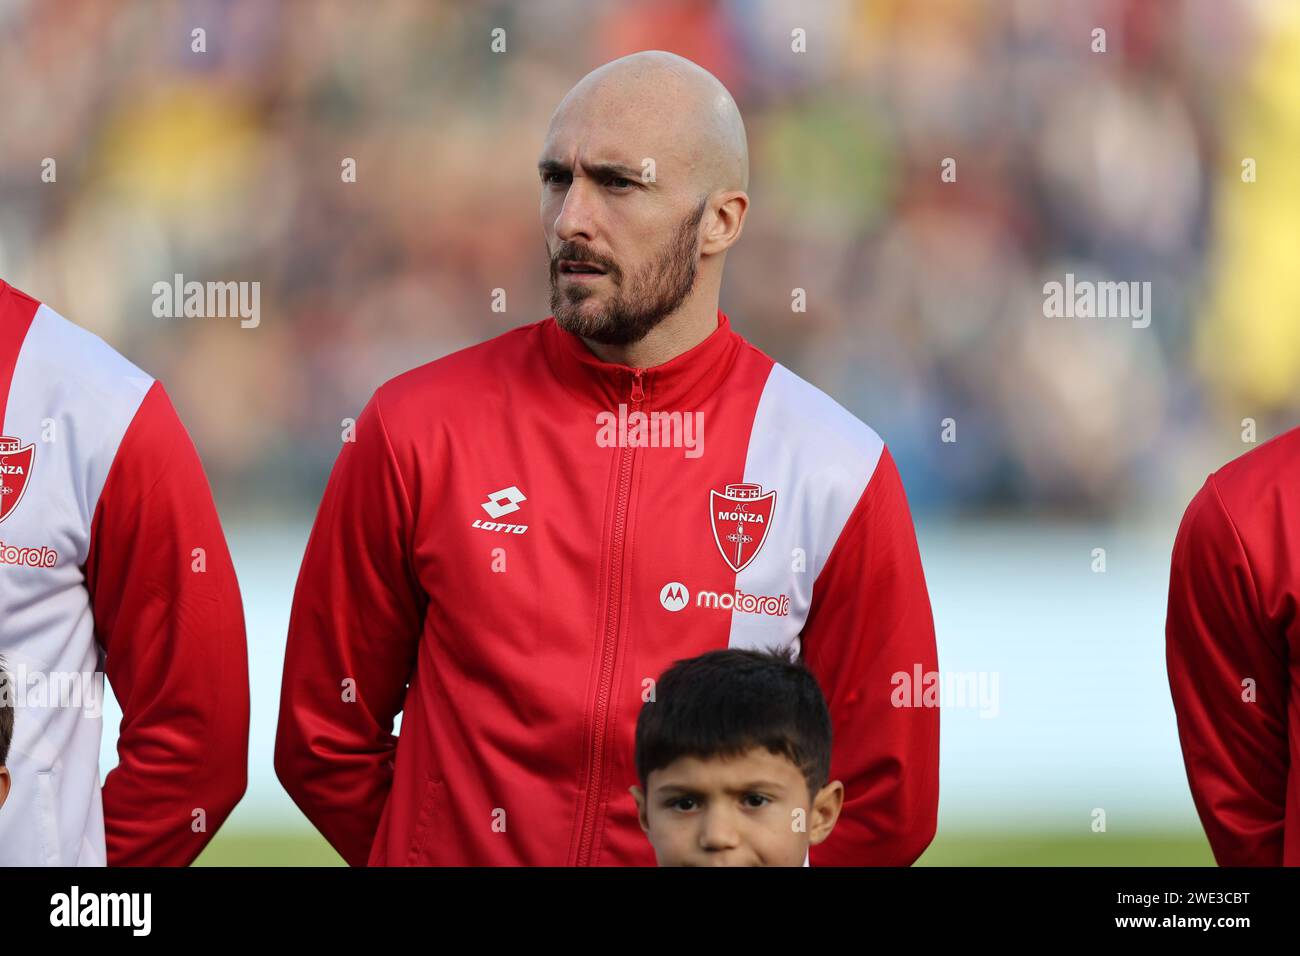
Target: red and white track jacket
(498,563)
(104,508)
(1233,652)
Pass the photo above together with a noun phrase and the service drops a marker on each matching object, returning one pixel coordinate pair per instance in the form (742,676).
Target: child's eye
(676,803)
(760,798)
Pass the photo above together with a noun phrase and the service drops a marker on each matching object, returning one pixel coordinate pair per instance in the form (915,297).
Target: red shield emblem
(15,468)
(741,516)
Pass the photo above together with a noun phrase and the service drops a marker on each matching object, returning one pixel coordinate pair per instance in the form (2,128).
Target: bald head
(664,107)
(643,177)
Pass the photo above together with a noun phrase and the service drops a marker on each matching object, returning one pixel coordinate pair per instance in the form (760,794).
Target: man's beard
(653,294)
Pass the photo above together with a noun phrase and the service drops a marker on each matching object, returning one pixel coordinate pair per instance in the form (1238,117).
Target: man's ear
(727,224)
(825,811)
(641,817)
(4,786)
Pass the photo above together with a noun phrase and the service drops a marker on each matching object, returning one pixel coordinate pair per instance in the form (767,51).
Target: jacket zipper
(608,653)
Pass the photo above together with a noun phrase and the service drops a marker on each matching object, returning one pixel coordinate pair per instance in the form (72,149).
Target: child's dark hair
(726,702)
(6,713)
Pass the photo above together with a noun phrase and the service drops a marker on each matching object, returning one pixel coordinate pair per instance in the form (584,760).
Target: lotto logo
(503,502)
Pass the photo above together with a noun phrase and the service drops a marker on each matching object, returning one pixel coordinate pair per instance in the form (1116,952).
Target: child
(734,754)
(6,730)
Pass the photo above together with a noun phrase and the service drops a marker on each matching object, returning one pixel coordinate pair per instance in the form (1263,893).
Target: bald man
(524,534)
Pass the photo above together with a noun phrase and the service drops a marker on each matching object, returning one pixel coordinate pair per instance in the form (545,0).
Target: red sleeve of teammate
(1235,749)
(171,623)
(353,633)
(871,620)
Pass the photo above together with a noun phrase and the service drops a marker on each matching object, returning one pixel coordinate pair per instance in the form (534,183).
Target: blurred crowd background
(924,297)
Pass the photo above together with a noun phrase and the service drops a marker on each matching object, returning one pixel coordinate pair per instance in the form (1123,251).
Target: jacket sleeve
(1234,747)
(353,633)
(169,618)
(870,622)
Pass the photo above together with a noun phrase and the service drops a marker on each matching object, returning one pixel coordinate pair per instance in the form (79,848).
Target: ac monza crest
(741,516)
(15,468)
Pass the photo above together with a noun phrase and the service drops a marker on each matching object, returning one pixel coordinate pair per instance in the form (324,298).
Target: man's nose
(577,216)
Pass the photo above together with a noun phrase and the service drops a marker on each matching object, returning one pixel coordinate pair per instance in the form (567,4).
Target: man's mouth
(579,270)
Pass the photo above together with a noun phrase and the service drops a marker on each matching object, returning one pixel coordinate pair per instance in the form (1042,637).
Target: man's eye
(548,178)
(620,179)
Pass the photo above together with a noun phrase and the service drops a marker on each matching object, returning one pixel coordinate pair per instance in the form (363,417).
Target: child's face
(751,810)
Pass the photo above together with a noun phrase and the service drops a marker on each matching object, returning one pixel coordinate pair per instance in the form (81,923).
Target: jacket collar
(680,383)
